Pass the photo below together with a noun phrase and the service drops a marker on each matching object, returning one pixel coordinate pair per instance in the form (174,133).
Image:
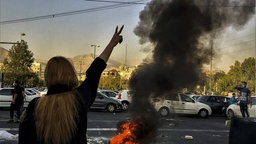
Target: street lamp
(94,46)
(21,35)
(8,42)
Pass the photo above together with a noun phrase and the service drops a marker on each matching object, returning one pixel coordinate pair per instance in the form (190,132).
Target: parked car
(125,96)
(233,110)
(194,97)
(109,93)
(43,91)
(104,102)
(217,103)
(180,104)
(33,91)
(6,97)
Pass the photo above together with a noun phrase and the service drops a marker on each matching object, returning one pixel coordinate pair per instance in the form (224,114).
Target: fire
(126,134)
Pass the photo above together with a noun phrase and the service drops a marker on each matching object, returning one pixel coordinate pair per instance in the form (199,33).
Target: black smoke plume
(180,32)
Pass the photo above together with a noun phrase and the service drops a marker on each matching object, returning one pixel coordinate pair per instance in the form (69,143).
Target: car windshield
(185,98)
(172,97)
(202,98)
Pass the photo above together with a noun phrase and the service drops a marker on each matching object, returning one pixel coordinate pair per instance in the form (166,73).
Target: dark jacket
(87,91)
(244,95)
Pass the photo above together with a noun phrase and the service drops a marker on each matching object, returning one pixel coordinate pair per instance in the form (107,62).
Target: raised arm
(116,38)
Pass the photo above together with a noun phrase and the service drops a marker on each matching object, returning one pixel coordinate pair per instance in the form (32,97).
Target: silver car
(104,102)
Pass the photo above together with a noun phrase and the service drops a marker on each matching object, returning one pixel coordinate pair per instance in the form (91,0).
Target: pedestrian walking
(60,117)
(244,98)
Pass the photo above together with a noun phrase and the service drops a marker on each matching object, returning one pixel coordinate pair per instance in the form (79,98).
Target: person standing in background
(12,108)
(244,98)
(233,99)
(18,100)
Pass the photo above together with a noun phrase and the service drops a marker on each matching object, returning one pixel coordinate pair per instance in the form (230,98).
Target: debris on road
(188,137)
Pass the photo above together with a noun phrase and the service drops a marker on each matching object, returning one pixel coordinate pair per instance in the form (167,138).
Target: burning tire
(164,111)
(203,113)
(111,107)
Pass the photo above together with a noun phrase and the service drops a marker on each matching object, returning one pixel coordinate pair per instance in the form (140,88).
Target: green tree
(216,77)
(235,73)
(248,72)
(238,72)
(17,65)
(110,82)
(225,84)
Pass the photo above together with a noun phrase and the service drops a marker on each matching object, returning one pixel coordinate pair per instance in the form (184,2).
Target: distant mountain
(82,62)
(3,54)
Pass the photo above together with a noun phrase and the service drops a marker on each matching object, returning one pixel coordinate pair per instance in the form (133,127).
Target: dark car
(104,102)
(217,103)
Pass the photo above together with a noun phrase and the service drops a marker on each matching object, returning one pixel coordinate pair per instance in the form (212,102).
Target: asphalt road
(173,129)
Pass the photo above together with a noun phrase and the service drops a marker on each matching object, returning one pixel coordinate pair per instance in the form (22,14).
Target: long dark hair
(55,114)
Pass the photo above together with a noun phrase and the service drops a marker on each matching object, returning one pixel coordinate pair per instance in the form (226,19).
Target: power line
(108,1)
(206,3)
(117,5)
(67,13)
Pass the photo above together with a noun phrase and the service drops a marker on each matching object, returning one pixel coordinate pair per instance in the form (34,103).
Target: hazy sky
(70,27)
(74,33)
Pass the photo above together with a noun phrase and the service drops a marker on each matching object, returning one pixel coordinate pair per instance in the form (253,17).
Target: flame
(126,134)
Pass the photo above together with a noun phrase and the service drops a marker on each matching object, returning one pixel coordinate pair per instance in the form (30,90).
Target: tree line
(222,83)
(18,66)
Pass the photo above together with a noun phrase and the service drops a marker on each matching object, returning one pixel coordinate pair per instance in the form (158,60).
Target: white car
(6,97)
(180,104)
(233,110)
(33,91)
(109,93)
(43,91)
(125,97)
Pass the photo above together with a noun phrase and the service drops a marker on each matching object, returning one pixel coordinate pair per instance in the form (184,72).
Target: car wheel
(203,113)
(164,111)
(230,114)
(125,105)
(111,108)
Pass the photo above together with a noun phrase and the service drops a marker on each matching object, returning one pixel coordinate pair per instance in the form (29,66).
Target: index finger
(121,29)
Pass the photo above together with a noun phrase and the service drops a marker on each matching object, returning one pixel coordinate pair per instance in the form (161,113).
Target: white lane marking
(9,129)
(177,130)
(115,129)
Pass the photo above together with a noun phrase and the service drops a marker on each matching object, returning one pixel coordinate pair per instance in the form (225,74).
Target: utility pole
(211,45)
(94,46)
(21,35)
(125,60)
(255,59)
(80,73)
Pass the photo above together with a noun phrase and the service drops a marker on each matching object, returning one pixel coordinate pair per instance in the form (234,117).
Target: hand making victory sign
(116,38)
